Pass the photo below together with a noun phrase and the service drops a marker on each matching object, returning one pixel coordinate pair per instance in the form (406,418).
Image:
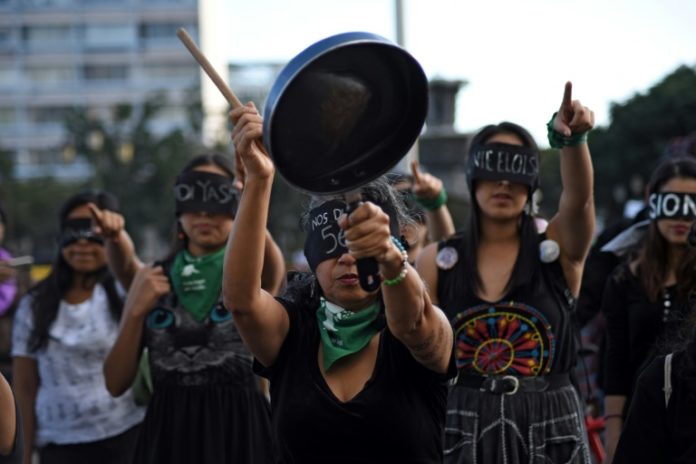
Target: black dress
(528,333)
(397,417)
(207,406)
(636,328)
(654,432)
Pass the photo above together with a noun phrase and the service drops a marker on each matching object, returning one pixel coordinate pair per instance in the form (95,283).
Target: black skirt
(113,450)
(207,425)
(527,427)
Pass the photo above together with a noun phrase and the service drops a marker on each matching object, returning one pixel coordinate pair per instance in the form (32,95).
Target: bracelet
(613,416)
(431,204)
(558,140)
(404,264)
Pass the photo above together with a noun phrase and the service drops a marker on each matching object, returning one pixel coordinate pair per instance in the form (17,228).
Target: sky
(515,55)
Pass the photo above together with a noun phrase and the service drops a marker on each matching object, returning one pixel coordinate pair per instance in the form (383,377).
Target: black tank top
(529,332)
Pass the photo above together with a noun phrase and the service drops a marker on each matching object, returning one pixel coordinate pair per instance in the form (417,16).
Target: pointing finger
(415,171)
(567,95)
(97,214)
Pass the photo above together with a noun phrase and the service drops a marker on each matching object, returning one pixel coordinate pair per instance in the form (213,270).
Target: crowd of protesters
(467,352)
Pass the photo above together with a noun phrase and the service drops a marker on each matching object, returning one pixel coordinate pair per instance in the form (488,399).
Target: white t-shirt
(72,403)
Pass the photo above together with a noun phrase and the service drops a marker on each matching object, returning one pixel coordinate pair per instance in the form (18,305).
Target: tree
(133,163)
(625,152)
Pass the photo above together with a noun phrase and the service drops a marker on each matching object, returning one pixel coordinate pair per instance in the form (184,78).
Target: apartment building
(60,54)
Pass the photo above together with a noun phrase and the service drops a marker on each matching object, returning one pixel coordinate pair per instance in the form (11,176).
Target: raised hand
(424,185)
(251,156)
(148,286)
(573,117)
(367,232)
(108,224)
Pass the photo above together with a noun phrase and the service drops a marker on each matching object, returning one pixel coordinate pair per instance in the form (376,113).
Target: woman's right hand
(149,285)
(248,144)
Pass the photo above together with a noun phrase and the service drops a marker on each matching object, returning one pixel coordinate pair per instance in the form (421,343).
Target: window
(171,71)
(49,114)
(42,35)
(48,2)
(9,77)
(102,2)
(158,34)
(107,72)
(5,37)
(51,74)
(110,36)
(7,116)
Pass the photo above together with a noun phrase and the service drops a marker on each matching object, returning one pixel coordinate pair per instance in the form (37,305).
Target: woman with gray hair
(355,375)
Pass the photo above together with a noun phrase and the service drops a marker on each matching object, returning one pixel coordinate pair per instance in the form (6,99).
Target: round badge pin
(549,251)
(447,258)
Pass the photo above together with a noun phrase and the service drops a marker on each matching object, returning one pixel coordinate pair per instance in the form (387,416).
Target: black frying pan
(342,113)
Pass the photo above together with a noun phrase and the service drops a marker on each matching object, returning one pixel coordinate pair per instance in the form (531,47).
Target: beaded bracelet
(431,204)
(558,140)
(404,264)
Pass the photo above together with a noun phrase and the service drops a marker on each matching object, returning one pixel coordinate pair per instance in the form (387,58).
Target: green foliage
(129,160)
(640,130)
(136,165)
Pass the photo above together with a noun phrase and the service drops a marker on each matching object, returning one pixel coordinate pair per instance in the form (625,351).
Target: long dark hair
(180,240)
(686,336)
(526,267)
(653,256)
(47,294)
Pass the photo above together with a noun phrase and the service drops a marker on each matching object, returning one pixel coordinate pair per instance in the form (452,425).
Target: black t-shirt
(398,417)
(636,329)
(529,332)
(655,433)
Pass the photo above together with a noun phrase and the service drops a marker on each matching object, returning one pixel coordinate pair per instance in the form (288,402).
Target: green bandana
(197,281)
(344,332)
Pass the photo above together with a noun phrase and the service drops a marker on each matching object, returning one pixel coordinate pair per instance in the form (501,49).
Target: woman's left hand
(572,117)
(367,233)
(425,185)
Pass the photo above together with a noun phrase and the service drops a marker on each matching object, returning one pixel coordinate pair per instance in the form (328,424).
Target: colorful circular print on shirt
(504,338)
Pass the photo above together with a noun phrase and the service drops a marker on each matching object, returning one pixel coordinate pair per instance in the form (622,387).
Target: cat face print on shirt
(184,351)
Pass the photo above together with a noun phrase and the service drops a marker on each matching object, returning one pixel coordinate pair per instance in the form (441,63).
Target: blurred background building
(56,55)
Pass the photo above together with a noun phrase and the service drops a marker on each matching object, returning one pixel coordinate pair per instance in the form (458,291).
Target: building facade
(56,55)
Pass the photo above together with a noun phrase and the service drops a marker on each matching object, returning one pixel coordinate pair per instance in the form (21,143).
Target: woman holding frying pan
(509,293)
(355,375)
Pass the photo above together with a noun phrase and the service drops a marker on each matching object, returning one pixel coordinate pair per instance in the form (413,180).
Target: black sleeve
(644,437)
(597,270)
(617,377)
(296,319)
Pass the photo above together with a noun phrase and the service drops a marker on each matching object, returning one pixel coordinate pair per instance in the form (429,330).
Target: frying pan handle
(368,269)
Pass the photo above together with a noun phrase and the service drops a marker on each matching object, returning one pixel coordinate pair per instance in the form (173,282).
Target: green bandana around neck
(197,281)
(345,332)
